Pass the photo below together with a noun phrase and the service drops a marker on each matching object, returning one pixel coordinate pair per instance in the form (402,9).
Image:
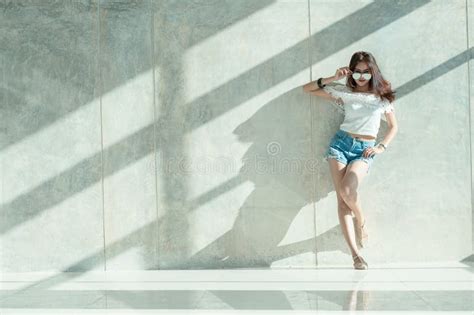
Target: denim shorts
(345,148)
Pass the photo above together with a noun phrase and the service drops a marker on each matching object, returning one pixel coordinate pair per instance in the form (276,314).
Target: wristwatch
(383,145)
(320,84)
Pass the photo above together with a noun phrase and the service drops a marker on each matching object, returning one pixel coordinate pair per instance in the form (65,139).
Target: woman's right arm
(313,88)
(313,85)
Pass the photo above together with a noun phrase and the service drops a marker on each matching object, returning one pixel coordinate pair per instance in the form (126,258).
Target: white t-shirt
(362,111)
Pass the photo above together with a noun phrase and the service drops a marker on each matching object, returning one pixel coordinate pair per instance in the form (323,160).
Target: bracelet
(320,84)
(383,145)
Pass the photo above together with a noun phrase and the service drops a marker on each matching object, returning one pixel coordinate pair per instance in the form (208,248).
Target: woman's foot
(359,262)
(361,233)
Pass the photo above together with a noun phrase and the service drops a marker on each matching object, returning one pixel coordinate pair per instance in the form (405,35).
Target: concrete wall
(175,134)
(470,39)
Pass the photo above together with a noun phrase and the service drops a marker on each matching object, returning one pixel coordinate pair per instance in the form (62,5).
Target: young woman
(365,99)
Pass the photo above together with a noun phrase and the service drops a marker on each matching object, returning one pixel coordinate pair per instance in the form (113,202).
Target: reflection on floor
(335,290)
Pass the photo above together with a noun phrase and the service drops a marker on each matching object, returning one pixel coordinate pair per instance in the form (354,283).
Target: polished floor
(397,289)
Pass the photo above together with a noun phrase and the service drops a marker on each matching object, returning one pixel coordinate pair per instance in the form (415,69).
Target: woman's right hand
(342,72)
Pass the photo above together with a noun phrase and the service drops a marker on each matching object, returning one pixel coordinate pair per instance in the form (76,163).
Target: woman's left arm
(392,128)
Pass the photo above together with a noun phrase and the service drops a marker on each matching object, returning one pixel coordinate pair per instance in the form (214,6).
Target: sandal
(360,263)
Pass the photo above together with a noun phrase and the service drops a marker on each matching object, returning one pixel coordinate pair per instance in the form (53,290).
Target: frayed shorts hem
(346,149)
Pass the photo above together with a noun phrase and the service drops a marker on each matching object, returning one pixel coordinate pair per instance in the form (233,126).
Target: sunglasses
(356,75)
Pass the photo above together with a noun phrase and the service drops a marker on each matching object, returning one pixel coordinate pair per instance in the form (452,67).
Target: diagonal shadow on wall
(42,196)
(38,195)
(54,44)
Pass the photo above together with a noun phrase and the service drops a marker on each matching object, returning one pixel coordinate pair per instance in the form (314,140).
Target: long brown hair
(377,83)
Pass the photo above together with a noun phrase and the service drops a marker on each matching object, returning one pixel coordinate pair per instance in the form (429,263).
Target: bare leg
(355,172)
(338,171)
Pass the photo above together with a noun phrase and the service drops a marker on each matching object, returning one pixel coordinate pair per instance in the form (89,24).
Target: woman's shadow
(285,164)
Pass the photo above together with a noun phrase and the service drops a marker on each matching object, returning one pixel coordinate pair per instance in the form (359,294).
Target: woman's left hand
(372,151)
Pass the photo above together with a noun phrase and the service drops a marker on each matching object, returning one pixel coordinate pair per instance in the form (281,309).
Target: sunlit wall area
(175,134)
